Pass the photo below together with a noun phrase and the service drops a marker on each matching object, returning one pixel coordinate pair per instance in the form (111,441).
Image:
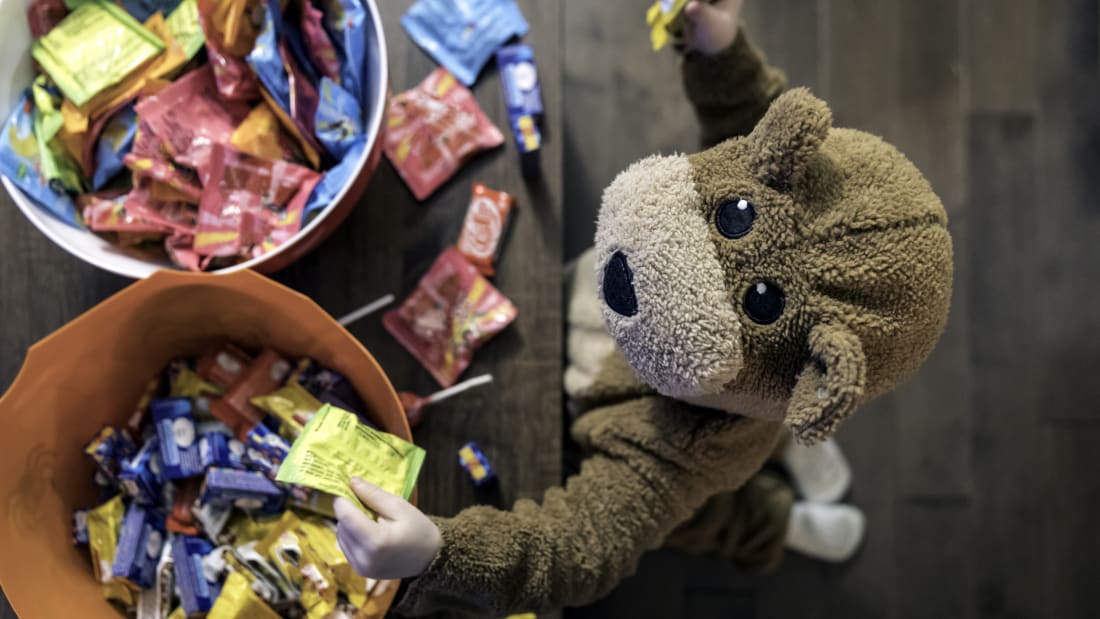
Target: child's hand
(401,543)
(711,26)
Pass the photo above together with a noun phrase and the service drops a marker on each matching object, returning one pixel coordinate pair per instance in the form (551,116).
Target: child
(786,276)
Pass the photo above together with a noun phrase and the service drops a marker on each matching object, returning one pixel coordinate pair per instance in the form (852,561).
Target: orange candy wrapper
(433,129)
(483,230)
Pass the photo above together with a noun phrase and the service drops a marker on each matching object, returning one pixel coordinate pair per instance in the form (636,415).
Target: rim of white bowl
(140,268)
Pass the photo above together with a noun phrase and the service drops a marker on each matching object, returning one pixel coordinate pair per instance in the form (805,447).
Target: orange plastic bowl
(16,74)
(92,371)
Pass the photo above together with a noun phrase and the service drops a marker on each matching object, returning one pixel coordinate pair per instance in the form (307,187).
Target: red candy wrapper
(103,214)
(267,372)
(318,44)
(250,204)
(43,15)
(450,314)
(483,230)
(188,118)
(433,129)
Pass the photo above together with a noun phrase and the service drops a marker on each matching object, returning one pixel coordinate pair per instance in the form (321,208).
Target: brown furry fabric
(845,226)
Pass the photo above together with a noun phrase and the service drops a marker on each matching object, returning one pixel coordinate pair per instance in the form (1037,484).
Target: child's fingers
(358,524)
(386,505)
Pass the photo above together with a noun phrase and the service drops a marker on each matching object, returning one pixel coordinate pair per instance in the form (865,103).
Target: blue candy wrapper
(141,477)
(80,527)
(114,143)
(462,34)
(267,63)
(139,546)
(520,80)
(20,161)
(346,23)
(197,594)
(142,10)
(334,180)
(339,120)
(246,490)
(217,449)
(179,444)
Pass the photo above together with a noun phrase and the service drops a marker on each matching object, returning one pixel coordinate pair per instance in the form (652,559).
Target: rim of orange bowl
(374,129)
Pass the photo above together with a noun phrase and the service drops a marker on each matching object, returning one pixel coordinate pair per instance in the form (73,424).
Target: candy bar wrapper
(156,602)
(665,19)
(179,440)
(329,387)
(520,80)
(197,594)
(104,523)
(148,169)
(186,28)
(223,366)
(292,405)
(142,476)
(282,85)
(220,450)
(21,162)
(182,520)
(462,34)
(183,382)
(262,135)
(57,165)
(176,218)
(246,490)
(237,600)
(44,15)
(249,201)
(334,447)
(94,47)
(115,142)
(483,230)
(339,121)
(180,251)
(450,314)
(111,215)
(191,119)
(108,449)
(139,547)
(263,374)
(318,44)
(334,180)
(142,10)
(80,527)
(268,443)
(230,34)
(346,23)
(433,129)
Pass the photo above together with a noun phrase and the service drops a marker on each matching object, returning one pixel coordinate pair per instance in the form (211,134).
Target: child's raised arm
(728,81)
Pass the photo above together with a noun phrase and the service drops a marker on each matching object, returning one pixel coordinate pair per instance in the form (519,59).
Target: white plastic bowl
(16,74)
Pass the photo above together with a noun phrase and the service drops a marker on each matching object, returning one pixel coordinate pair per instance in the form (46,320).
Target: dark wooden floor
(979,477)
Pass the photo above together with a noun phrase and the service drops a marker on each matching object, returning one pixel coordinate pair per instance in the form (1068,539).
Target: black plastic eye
(763,303)
(734,218)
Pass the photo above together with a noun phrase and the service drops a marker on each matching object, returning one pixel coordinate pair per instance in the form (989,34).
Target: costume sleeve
(653,462)
(731,90)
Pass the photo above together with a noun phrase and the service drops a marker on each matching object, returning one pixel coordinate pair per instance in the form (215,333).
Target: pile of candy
(200,515)
(437,126)
(211,130)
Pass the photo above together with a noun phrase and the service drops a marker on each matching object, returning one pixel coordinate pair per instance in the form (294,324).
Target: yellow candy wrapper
(321,537)
(104,523)
(292,405)
(178,613)
(184,25)
(665,17)
(237,601)
(283,548)
(319,588)
(93,48)
(185,383)
(334,447)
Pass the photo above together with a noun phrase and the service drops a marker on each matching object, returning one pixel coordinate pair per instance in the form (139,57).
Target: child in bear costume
(769,285)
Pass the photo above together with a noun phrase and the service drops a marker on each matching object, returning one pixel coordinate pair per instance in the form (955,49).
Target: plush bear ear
(830,386)
(788,136)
